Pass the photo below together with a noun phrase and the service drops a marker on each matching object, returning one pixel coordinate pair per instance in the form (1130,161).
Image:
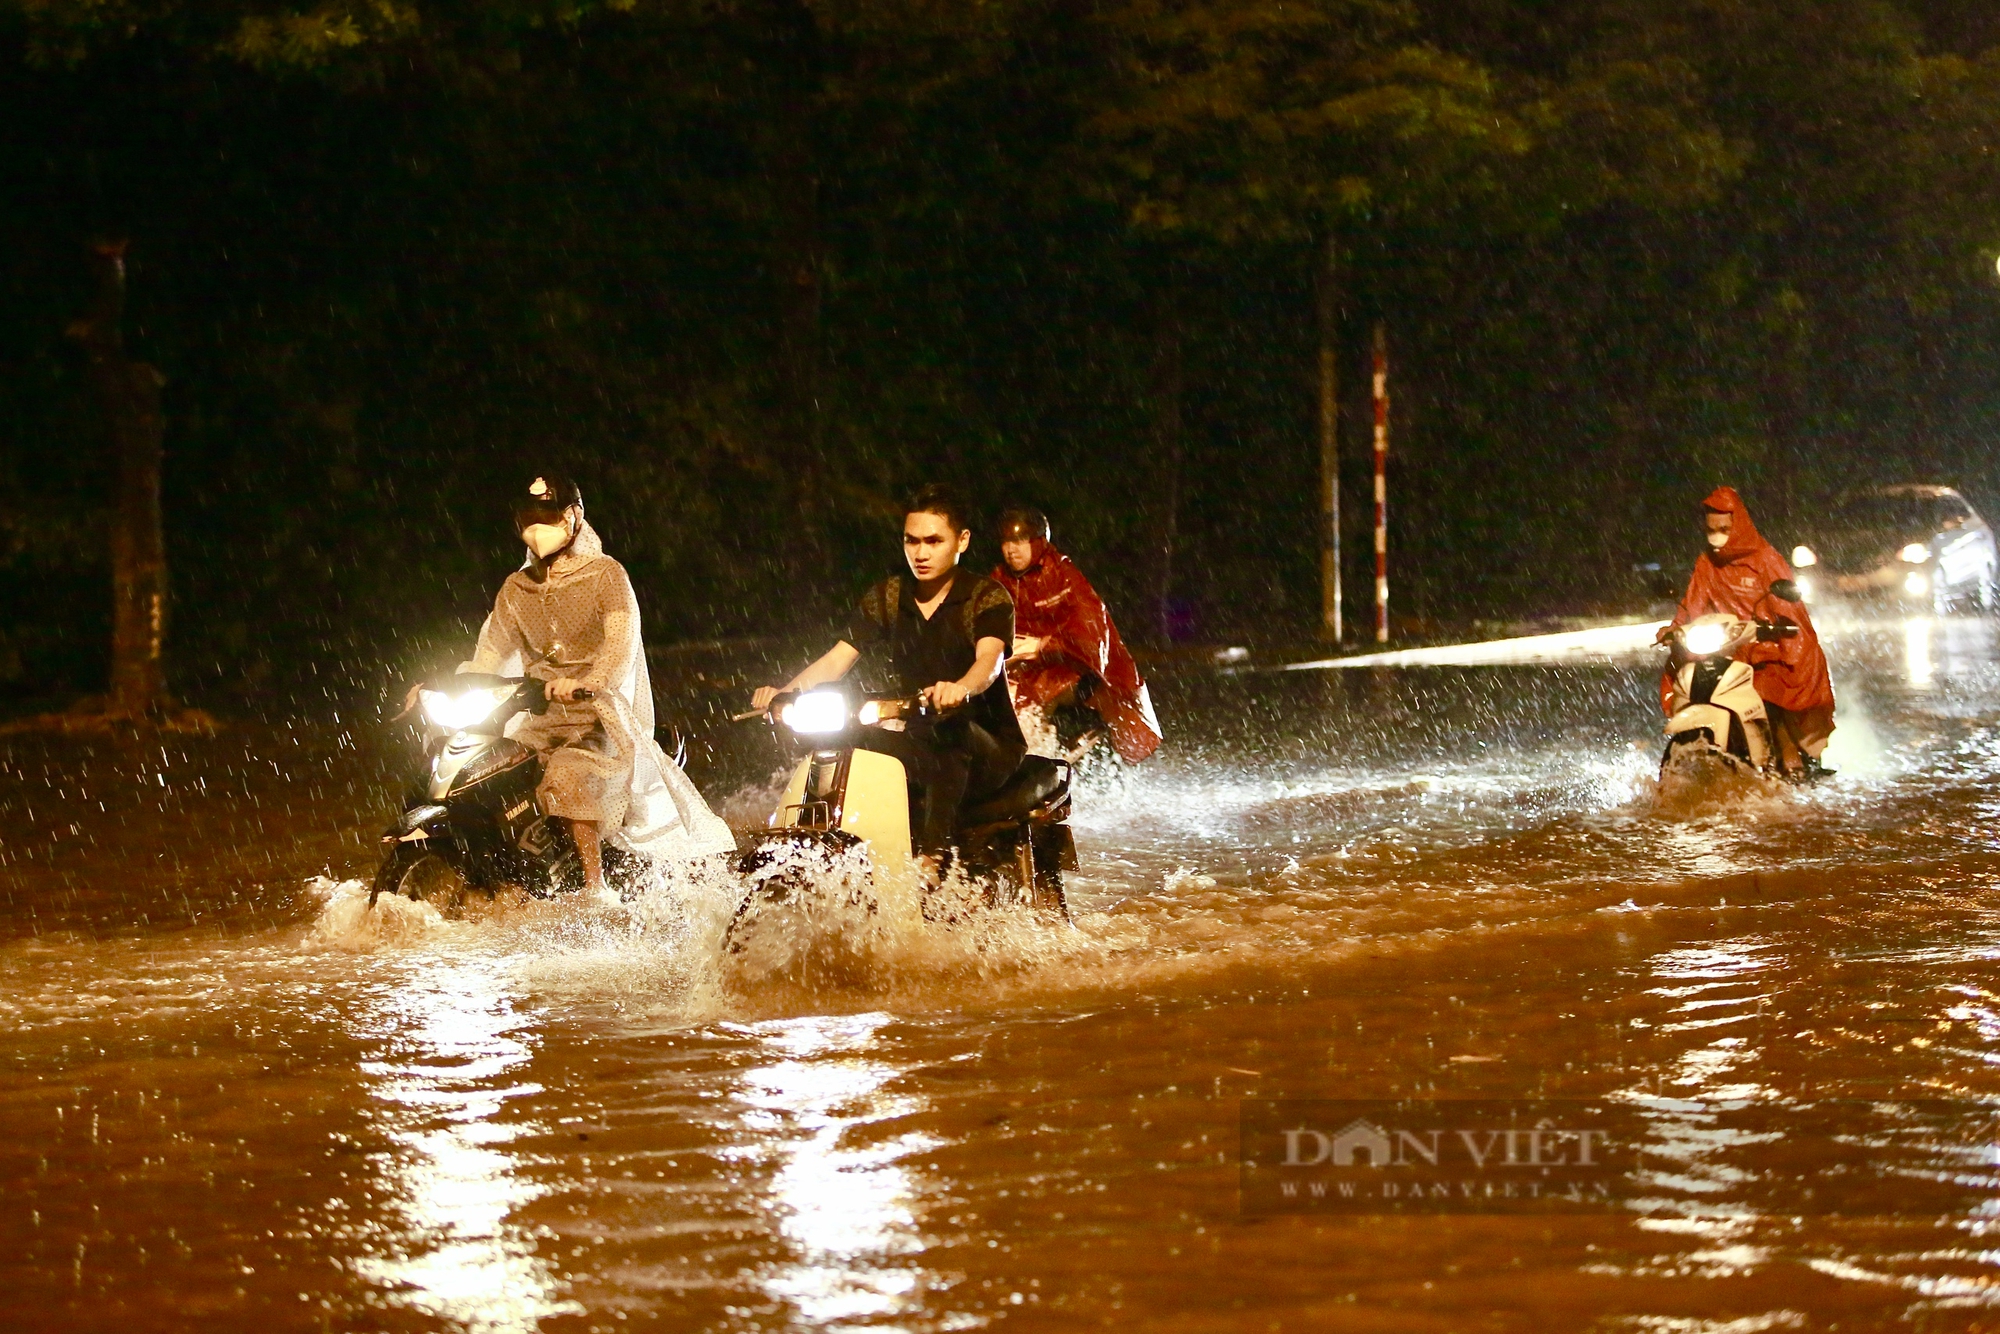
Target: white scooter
(848,808)
(1716,719)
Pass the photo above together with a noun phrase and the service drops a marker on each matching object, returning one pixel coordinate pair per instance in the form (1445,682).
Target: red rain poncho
(1737,579)
(1055,603)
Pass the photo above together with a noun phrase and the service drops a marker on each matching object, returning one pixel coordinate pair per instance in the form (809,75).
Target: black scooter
(471,823)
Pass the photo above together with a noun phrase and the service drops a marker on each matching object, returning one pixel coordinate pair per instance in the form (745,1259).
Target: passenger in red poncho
(1735,576)
(1066,651)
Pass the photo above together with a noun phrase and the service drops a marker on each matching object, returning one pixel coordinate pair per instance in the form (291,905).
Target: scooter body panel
(457,751)
(791,802)
(480,810)
(1707,718)
(863,793)
(1705,701)
(877,805)
(1736,690)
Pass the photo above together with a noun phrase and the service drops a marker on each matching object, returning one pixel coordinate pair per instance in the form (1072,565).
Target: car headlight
(1805,586)
(816,713)
(1916,585)
(1702,640)
(1803,555)
(463,709)
(1916,553)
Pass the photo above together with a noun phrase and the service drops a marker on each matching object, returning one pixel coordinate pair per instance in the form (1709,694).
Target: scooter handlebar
(902,706)
(1755,630)
(770,711)
(536,697)
(578,696)
(531,693)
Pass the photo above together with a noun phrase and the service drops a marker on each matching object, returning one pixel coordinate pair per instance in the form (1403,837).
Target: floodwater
(234,1099)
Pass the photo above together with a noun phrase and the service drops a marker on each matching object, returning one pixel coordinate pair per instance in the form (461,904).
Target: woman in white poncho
(568,616)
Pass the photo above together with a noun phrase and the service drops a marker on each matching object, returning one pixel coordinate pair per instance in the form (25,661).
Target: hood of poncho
(1744,539)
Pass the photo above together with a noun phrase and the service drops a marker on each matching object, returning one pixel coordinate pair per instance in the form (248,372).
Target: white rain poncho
(582,622)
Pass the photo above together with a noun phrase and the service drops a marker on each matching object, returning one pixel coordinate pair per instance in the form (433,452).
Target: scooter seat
(1037,782)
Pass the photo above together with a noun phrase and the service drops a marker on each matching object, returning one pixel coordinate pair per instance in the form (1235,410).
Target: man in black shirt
(948,632)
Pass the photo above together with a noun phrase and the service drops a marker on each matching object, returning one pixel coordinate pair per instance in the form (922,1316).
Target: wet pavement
(233,1098)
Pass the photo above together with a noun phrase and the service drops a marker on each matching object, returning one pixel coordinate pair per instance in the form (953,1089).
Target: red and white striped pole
(1381,485)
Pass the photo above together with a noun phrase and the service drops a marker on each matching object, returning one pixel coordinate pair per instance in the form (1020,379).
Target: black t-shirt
(944,647)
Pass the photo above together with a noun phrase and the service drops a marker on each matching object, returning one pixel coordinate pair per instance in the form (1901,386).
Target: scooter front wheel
(415,872)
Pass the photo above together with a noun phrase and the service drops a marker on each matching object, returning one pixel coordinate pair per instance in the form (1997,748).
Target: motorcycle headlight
(1803,555)
(869,714)
(1702,640)
(816,713)
(1916,553)
(463,709)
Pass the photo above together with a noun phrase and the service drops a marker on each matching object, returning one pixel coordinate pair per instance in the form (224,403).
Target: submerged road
(234,1101)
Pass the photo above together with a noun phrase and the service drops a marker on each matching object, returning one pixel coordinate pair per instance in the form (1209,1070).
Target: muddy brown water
(235,1100)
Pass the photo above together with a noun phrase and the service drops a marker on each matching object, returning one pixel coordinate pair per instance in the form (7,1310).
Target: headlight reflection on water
(453,1034)
(1713,996)
(1917,652)
(847,1206)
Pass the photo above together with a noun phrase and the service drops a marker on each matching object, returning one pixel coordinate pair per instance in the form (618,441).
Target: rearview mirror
(1785,591)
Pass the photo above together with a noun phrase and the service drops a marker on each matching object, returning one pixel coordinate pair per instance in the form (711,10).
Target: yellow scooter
(849,805)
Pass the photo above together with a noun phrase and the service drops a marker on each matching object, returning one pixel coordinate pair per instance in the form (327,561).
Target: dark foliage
(751,270)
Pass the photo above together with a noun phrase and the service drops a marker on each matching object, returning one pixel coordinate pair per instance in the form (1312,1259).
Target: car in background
(1911,546)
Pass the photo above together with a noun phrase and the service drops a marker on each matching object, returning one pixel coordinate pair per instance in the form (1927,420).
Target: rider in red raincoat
(1735,576)
(1065,649)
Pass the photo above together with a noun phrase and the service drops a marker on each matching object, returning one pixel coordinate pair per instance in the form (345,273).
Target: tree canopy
(752,267)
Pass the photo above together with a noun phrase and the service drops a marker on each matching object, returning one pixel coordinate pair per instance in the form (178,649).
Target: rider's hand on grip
(946,695)
(760,699)
(569,691)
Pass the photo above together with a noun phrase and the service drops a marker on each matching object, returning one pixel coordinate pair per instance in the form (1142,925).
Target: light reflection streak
(1698,850)
(455,1039)
(1682,1108)
(846,1205)
(1973,1290)
(1604,643)
(1917,652)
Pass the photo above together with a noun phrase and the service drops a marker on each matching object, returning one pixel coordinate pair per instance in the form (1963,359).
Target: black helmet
(1019,521)
(544,500)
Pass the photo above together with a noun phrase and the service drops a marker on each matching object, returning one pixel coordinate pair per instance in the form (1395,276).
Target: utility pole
(1329,443)
(1381,484)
